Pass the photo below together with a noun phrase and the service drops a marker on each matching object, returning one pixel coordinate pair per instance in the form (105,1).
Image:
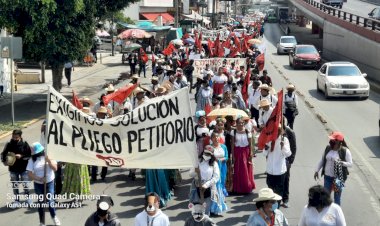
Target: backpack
(342,156)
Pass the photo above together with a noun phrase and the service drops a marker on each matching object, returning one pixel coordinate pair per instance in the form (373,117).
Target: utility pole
(112,44)
(176,22)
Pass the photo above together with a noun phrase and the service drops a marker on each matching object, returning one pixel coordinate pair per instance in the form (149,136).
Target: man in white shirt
(180,81)
(152,215)
(206,71)
(264,113)
(276,156)
(253,99)
(264,90)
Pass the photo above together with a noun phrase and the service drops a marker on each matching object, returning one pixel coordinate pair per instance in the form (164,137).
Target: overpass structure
(346,36)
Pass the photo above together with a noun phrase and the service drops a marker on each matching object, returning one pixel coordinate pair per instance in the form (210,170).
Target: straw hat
(138,90)
(264,103)
(103,110)
(86,110)
(134,77)
(10,159)
(161,90)
(87,100)
(265,87)
(154,78)
(267,194)
(110,88)
(290,87)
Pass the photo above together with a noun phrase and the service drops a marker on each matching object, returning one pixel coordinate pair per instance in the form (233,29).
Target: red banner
(76,102)
(120,95)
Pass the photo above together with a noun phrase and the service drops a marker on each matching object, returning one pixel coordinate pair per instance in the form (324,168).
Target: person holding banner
(205,186)
(243,181)
(41,170)
(265,113)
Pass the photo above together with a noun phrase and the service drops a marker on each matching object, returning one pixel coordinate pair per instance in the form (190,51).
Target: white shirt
(200,130)
(330,216)
(253,97)
(219,79)
(37,168)
(264,116)
(276,164)
(250,124)
(330,159)
(219,152)
(204,72)
(241,138)
(209,174)
(291,98)
(159,219)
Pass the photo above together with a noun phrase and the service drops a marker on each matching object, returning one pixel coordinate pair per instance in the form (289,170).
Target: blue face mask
(274,206)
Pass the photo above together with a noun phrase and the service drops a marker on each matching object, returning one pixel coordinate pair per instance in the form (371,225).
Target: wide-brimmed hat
(10,159)
(37,148)
(161,90)
(336,136)
(134,77)
(103,110)
(265,87)
(154,78)
(138,90)
(290,87)
(110,88)
(208,149)
(86,110)
(267,194)
(87,100)
(264,103)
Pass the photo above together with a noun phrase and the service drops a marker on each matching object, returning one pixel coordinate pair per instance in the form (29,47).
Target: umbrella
(132,47)
(254,41)
(101,33)
(228,112)
(191,41)
(177,42)
(134,33)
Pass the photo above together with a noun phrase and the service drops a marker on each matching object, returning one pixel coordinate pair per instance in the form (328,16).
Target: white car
(342,79)
(286,44)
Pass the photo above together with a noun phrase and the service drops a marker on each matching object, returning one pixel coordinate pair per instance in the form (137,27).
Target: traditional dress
(243,181)
(218,83)
(157,181)
(221,152)
(76,179)
(204,97)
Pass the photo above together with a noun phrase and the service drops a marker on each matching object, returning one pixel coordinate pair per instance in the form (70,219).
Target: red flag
(169,49)
(260,61)
(270,131)
(237,43)
(120,95)
(210,47)
(216,45)
(227,43)
(199,43)
(76,102)
(208,109)
(244,89)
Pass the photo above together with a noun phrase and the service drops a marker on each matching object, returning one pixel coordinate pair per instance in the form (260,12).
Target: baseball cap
(337,136)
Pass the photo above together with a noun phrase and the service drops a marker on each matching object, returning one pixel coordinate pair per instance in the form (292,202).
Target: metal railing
(369,23)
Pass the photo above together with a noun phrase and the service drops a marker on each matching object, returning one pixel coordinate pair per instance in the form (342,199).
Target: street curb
(31,122)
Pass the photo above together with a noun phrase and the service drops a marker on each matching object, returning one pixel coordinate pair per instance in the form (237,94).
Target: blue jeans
(15,177)
(328,184)
(39,189)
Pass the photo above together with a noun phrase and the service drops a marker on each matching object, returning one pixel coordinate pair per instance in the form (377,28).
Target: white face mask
(206,158)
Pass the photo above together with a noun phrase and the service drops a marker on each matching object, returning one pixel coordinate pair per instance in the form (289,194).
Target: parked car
(304,56)
(334,3)
(286,44)
(340,79)
(375,15)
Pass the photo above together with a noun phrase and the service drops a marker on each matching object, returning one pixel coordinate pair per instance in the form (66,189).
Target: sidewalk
(30,99)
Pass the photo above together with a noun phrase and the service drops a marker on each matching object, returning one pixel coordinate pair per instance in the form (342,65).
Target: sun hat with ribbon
(267,194)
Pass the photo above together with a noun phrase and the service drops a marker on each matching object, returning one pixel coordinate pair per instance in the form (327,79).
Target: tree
(55,31)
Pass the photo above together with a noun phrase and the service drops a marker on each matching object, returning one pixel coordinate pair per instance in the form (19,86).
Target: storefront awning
(166,17)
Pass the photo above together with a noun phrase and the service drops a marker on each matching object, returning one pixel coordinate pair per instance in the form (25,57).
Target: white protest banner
(215,63)
(212,34)
(157,135)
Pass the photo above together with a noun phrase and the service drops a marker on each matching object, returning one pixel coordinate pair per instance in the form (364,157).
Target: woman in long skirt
(204,96)
(243,181)
(221,155)
(76,180)
(157,181)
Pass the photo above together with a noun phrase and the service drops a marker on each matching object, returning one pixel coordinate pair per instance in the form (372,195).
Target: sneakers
(41,224)
(56,221)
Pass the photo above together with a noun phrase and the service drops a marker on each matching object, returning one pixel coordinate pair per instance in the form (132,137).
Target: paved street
(355,118)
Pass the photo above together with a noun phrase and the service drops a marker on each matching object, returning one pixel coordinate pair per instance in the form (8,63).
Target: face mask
(275,206)
(234,89)
(14,141)
(206,158)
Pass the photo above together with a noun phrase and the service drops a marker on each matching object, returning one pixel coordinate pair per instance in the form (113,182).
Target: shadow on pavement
(372,143)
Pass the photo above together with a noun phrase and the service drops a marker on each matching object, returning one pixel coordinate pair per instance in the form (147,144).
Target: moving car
(375,14)
(341,79)
(304,56)
(286,44)
(334,3)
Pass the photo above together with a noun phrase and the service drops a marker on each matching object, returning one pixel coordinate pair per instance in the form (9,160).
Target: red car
(304,56)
